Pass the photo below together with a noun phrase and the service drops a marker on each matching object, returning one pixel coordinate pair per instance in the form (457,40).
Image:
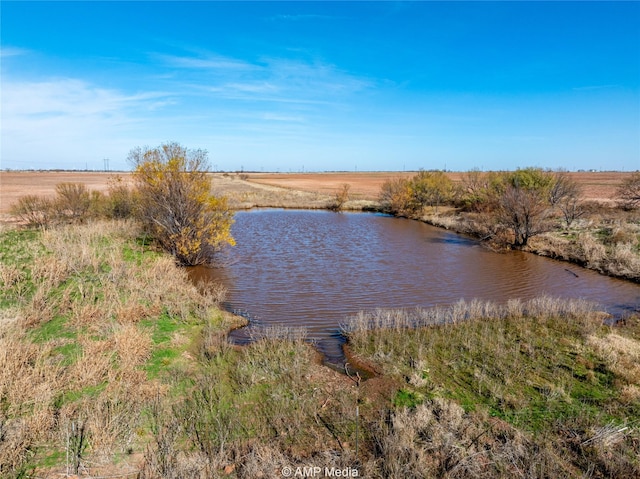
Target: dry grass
(541,308)
(243,194)
(622,355)
(28,379)
(526,389)
(132,345)
(608,242)
(439,439)
(78,336)
(100,331)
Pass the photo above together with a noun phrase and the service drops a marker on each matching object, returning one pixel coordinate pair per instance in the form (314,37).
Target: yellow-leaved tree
(175,202)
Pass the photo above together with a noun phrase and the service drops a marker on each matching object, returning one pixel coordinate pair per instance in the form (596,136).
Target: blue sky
(321,86)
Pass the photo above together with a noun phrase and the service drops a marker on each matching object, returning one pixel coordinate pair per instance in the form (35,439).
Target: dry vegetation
(529,389)
(82,340)
(531,209)
(598,186)
(113,363)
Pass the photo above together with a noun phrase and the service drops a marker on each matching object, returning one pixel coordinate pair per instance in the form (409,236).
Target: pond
(314,269)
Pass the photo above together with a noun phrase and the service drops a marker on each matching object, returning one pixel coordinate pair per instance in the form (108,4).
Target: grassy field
(113,363)
(535,389)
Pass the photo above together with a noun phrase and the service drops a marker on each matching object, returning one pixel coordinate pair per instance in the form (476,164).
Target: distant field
(598,186)
(364,185)
(14,184)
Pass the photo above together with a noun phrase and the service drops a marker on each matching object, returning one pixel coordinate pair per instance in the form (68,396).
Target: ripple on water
(312,269)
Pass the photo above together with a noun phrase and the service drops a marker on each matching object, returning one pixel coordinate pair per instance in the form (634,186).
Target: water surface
(313,269)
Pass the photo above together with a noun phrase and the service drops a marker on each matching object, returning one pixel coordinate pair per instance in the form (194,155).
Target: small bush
(629,192)
(121,199)
(33,210)
(340,198)
(72,202)
(396,198)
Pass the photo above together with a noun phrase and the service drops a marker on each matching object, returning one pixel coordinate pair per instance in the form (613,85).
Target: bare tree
(572,208)
(566,195)
(524,211)
(340,198)
(629,192)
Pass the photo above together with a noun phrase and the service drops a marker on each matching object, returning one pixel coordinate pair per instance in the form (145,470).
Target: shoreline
(540,245)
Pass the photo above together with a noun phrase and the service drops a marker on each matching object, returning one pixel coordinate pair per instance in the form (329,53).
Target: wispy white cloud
(12,52)
(256,87)
(71,97)
(317,78)
(69,121)
(267,79)
(63,122)
(209,62)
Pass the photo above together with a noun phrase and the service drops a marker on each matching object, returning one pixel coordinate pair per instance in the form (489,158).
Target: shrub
(72,201)
(396,197)
(629,192)
(431,188)
(33,210)
(340,198)
(175,204)
(121,198)
(480,190)
(407,197)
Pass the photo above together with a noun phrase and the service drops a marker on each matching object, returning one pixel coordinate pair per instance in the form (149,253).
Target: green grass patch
(531,372)
(161,360)
(406,398)
(139,251)
(52,458)
(58,327)
(18,250)
(167,357)
(19,246)
(69,352)
(163,327)
(70,396)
